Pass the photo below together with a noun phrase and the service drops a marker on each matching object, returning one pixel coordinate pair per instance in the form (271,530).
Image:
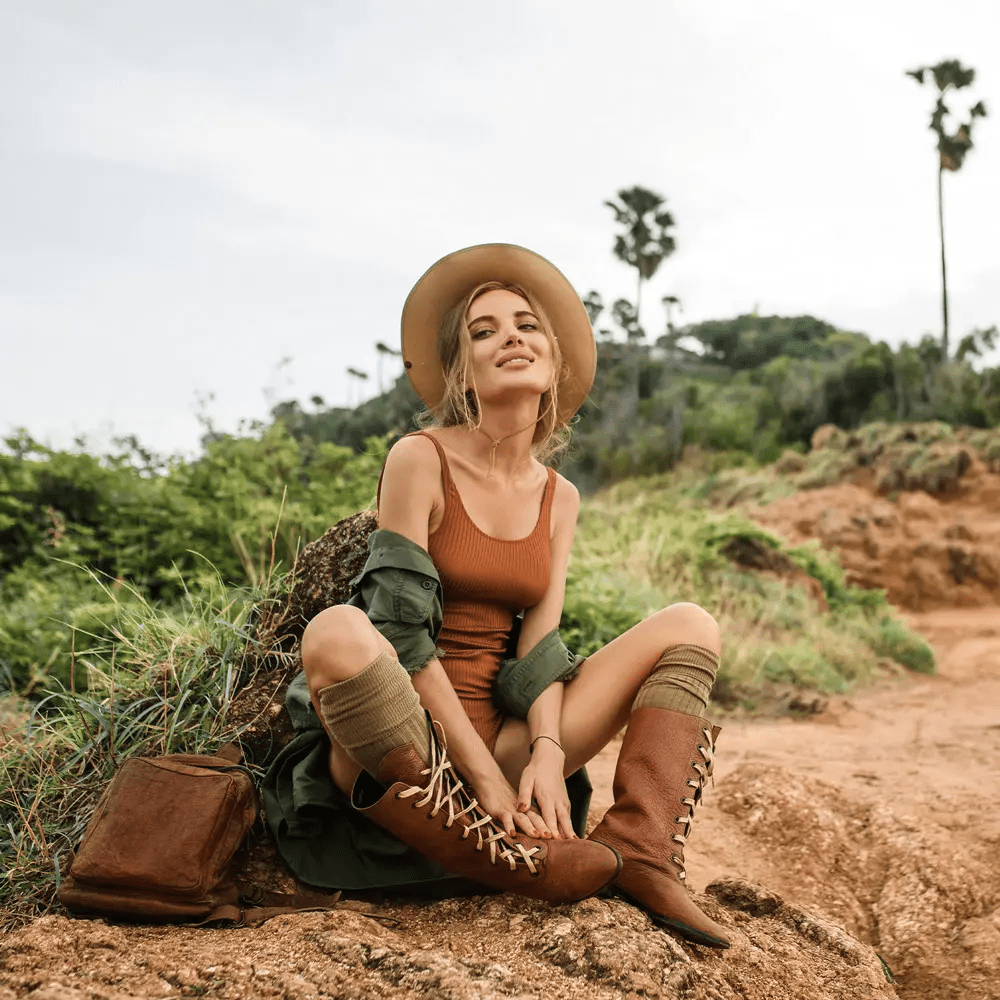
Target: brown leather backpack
(161,842)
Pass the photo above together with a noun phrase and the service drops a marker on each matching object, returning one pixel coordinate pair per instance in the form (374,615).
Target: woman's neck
(504,437)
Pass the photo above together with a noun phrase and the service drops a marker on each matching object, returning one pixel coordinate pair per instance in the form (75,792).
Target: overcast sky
(192,191)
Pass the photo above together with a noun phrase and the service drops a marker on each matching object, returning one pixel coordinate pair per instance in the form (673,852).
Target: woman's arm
(411,501)
(542,780)
(544,616)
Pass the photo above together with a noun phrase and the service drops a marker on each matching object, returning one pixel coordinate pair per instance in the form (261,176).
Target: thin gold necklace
(496,443)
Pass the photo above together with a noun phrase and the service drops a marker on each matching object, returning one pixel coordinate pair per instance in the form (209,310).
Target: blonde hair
(460,408)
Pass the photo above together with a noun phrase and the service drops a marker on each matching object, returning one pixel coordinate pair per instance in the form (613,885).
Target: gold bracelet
(531,745)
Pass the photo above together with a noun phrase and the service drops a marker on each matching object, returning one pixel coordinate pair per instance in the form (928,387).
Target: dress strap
(445,471)
(446,480)
(545,515)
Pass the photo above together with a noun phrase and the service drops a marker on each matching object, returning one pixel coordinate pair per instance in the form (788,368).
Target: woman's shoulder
(414,454)
(565,497)
(411,488)
(412,467)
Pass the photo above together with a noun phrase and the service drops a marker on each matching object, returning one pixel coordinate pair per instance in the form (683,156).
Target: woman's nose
(514,337)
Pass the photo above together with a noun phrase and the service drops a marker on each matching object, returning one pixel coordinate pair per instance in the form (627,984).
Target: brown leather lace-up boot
(429,808)
(665,760)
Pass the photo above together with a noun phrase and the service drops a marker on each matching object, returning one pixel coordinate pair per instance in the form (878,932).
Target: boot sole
(686,932)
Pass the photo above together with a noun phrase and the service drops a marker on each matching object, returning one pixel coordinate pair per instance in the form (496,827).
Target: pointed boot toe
(665,760)
(668,902)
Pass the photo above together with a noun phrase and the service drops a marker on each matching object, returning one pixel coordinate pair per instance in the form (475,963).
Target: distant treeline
(754,384)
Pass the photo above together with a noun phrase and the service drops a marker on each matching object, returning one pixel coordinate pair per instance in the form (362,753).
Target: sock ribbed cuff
(374,712)
(681,680)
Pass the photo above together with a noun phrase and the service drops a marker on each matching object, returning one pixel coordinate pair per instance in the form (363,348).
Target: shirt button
(427,584)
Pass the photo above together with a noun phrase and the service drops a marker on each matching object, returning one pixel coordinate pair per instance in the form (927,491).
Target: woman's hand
(498,798)
(542,782)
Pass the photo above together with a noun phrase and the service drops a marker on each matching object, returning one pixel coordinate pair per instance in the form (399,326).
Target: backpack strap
(279,904)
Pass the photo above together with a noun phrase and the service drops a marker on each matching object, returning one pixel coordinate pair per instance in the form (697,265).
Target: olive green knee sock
(374,712)
(681,680)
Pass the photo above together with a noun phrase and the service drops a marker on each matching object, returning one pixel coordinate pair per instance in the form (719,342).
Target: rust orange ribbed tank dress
(486,582)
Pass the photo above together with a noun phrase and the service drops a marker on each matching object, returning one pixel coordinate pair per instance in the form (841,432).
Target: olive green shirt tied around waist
(323,839)
(400,591)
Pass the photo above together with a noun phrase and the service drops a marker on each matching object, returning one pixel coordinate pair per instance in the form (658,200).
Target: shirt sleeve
(400,591)
(520,682)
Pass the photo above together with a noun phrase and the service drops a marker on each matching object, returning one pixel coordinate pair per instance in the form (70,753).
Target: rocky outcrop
(477,947)
(918,888)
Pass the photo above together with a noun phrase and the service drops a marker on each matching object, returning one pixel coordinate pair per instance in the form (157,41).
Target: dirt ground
(874,826)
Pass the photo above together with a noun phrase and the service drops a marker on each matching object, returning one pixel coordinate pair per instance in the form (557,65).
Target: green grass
(162,683)
(649,543)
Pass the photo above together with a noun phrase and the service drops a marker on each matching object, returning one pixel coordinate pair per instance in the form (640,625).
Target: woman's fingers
(526,788)
(523,821)
(566,822)
(550,817)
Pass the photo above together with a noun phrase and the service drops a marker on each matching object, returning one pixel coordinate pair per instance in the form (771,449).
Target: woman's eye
(483,331)
(528,326)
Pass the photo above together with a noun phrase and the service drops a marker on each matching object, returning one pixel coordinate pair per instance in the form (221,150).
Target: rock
(479,947)
(320,578)
(930,905)
(920,549)
(751,552)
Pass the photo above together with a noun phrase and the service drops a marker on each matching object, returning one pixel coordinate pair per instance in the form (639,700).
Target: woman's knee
(339,643)
(686,622)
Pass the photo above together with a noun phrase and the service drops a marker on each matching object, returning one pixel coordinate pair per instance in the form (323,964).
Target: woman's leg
(657,677)
(387,758)
(362,695)
(598,701)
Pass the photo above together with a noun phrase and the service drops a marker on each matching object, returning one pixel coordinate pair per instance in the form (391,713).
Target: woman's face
(510,353)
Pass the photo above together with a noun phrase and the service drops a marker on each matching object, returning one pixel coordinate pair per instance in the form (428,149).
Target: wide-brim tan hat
(447,282)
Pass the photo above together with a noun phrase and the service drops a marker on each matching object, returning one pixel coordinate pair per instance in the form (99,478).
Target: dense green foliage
(80,535)
(753,384)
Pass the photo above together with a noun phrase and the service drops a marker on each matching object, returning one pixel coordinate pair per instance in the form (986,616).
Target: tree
(383,350)
(668,341)
(645,241)
(359,375)
(594,305)
(952,147)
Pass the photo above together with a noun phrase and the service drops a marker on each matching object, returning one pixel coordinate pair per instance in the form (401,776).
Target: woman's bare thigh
(597,702)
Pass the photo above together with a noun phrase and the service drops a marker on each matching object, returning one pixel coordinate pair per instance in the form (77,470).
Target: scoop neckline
(465,510)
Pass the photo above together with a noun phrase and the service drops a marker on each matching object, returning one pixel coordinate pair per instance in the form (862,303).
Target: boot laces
(445,789)
(705,769)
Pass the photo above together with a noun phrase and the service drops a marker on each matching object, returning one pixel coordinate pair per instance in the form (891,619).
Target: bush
(162,529)
(162,683)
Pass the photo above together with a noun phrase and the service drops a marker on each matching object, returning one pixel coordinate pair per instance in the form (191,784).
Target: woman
(499,346)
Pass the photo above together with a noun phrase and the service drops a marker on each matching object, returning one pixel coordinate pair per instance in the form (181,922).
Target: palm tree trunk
(944,274)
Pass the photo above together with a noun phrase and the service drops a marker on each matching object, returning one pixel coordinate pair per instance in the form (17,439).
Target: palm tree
(594,305)
(952,147)
(384,349)
(645,241)
(669,339)
(361,377)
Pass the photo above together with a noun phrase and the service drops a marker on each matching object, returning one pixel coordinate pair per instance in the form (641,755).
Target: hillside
(851,846)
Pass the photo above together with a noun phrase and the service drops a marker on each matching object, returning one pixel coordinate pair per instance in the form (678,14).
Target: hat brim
(447,282)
